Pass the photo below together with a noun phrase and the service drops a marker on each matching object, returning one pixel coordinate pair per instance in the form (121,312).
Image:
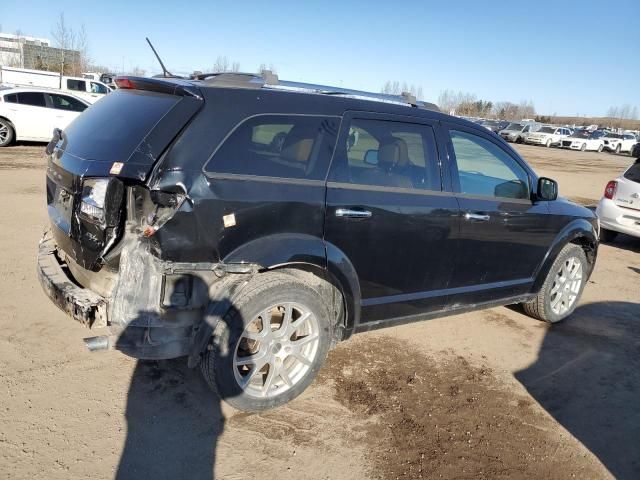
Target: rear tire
(7,133)
(607,236)
(254,366)
(562,288)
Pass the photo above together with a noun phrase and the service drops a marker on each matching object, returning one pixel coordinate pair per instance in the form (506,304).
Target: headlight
(94,192)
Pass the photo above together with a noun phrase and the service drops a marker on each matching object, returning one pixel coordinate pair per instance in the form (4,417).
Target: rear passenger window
(35,99)
(286,146)
(485,169)
(389,154)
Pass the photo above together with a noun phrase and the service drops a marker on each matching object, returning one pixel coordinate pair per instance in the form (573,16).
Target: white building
(12,48)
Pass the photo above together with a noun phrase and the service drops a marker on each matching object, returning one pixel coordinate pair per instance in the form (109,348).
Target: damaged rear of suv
(250,224)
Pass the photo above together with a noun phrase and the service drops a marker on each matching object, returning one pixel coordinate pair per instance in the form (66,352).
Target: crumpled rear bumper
(81,304)
(138,324)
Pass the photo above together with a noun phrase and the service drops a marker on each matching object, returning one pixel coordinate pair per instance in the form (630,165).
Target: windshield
(515,126)
(547,130)
(580,134)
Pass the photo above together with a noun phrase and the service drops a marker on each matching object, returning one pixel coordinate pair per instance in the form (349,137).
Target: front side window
(388,154)
(64,102)
(98,88)
(487,170)
(35,99)
(286,146)
(77,85)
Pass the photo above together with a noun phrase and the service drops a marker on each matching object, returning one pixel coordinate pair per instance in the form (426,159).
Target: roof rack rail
(405,99)
(268,79)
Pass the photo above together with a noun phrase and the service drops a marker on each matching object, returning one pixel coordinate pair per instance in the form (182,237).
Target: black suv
(250,224)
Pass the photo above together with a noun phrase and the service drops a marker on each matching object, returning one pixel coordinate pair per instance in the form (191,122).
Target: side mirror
(371,157)
(547,189)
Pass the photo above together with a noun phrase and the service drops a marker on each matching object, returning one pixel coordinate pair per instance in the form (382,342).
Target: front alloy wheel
(566,286)
(562,286)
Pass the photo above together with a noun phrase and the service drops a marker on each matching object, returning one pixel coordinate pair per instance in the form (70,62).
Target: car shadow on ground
(625,242)
(587,376)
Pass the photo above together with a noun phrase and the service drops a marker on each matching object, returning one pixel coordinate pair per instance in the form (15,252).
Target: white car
(584,140)
(619,209)
(620,143)
(32,113)
(547,136)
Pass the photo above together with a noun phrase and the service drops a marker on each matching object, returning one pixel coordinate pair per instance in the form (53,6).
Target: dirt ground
(491,394)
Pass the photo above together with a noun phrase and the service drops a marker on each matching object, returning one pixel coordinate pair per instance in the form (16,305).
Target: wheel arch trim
(578,231)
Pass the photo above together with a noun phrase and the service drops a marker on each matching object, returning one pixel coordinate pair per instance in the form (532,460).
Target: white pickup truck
(87,89)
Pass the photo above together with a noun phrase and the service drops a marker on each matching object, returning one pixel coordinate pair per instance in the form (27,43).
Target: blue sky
(568,57)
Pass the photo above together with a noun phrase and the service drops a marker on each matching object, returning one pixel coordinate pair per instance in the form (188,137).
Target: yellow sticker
(116,168)
(229,220)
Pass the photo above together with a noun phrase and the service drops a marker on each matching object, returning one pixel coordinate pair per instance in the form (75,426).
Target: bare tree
(396,88)
(271,67)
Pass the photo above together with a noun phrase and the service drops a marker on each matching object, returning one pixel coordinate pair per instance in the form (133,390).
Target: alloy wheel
(566,286)
(4,132)
(276,350)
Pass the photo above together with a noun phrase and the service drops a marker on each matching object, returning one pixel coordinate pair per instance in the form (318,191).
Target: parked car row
(31,114)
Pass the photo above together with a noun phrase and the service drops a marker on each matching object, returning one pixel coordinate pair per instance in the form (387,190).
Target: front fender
(579,228)
(284,249)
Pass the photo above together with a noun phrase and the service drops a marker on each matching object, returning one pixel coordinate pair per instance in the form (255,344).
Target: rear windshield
(111,129)
(633,173)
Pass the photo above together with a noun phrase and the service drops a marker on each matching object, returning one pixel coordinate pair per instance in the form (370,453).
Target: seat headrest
(298,144)
(393,152)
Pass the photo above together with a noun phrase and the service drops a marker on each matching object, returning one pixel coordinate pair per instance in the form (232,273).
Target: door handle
(348,213)
(476,217)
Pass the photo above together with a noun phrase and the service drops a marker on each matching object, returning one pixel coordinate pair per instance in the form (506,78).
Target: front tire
(583,147)
(548,144)
(618,149)
(7,133)
(562,288)
(270,346)
(600,148)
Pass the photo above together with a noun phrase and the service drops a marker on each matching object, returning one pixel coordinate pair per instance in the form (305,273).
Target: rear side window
(633,173)
(78,85)
(486,170)
(286,146)
(35,99)
(389,154)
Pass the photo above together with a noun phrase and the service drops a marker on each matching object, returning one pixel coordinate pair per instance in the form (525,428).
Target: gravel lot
(492,394)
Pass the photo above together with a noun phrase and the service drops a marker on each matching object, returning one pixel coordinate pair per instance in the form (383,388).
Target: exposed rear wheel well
(328,287)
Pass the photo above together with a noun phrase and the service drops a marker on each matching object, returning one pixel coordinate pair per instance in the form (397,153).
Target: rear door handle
(348,213)
(476,217)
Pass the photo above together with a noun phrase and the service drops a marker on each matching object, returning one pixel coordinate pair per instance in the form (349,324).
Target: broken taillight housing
(610,189)
(94,192)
